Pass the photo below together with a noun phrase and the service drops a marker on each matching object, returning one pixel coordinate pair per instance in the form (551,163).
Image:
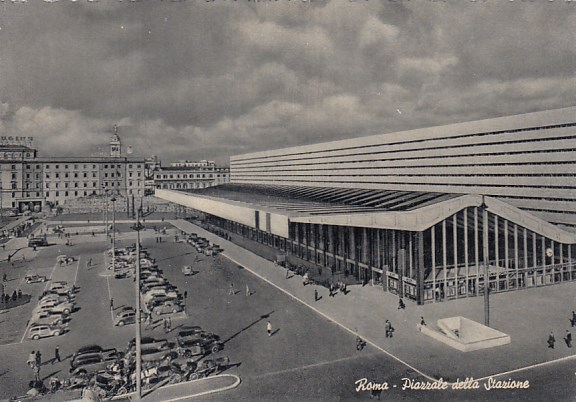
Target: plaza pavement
(527,316)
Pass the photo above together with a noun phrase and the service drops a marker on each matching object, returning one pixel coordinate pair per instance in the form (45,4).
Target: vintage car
(38,331)
(125,317)
(102,354)
(168,307)
(149,295)
(54,307)
(35,278)
(48,318)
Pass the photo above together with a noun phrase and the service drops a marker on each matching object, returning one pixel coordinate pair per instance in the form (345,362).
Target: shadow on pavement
(262,317)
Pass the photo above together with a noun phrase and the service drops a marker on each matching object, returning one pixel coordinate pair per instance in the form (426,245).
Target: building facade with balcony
(188,175)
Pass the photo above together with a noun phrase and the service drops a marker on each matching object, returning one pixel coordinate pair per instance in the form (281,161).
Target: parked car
(149,343)
(92,365)
(55,307)
(56,293)
(42,331)
(154,355)
(187,270)
(35,278)
(148,296)
(88,349)
(37,242)
(209,342)
(167,307)
(125,318)
(48,318)
(55,297)
(107,354)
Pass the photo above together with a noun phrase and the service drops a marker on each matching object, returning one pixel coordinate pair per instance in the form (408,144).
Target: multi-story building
(190,175)
(29,181)
(431,214)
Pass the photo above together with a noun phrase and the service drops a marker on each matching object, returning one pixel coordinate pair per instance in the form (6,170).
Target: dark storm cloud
(205,80)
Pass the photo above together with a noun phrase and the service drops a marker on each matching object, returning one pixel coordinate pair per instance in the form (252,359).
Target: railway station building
(430,214)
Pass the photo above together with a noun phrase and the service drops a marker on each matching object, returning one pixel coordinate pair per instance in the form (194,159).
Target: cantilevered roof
(399,210)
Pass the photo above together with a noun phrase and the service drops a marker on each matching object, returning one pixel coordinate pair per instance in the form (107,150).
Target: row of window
(184,176)
(76,167)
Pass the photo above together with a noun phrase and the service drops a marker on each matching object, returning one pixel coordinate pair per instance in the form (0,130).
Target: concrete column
(420,269)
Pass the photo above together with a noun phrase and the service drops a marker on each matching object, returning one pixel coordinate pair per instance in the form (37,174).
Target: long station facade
(430,214)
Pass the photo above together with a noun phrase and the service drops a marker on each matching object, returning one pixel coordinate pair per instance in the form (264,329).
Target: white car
(41,331)
(54,307)
(159,292)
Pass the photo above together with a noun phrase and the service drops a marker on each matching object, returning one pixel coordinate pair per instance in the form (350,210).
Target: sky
(196,79)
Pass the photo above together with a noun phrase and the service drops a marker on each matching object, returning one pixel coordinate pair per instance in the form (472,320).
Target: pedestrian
(231,291)
(421,324)
(57,354)
(90,262)
(19,293)
(185,295)
(315,295)
(360,343)
(269,328)
(9,257)
(111,303)
(568,339)
(168,324)
(148,320)
(38,358)
(389,329)
(4,278)
(34,248)
(287,272)
(573,320)
(37,373)
(247,291)
(165,322)
(401,305)
(551,340)
(31,359)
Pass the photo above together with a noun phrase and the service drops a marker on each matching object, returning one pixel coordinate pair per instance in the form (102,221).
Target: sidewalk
(527,316)
(193,389)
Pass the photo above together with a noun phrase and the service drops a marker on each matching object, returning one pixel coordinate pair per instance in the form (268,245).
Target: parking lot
(307,357)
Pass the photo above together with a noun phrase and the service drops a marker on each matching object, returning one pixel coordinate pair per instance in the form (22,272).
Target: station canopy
(387,209)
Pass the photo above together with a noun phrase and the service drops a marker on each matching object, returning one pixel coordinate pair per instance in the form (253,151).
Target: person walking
(111,303)
(56,354)
(269,328)
(90,262)
(573,320)
(247,291)
(36,373)
(38,358)
(148,320)
(389,329)
(551,340)
(287,272)
(421,324)
(315,295)
(231,291)
(4,278)
(165,325)
(31,359)
(568,339)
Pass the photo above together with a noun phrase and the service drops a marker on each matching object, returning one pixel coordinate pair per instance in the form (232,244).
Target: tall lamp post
(113,199)
(138,227)
(486,258)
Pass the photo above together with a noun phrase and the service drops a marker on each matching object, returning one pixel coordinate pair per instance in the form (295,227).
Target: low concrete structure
(466,335)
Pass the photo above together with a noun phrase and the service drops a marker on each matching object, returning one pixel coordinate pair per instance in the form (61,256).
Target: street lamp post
(113,199)
(138,227)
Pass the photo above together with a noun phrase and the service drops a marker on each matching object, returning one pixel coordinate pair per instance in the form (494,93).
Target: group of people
(338,286)
(567,336)
(5,297)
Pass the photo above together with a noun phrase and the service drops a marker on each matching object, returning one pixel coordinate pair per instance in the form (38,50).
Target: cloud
(196,80)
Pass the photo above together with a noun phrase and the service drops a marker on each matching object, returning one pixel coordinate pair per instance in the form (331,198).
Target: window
(105,166)
(76,175)
(75,167)
(13,195)
(85,166)
(130,166)
(57,185)
(37,176)
(66,185)
(13,186)
(13,167)
(65,174)
(37,166)
(76,185)
(27,175)
(130,174)
(76,193)
(13,176)
(85,184)
(93,166)
(47,193)
(65,166)
(93,184)
(105,174)
(47,166)
(47,185)
(57,166)
(111,174)
(27,167)
(66,193)
(37,194)
(93,174)
(57,193)
(57,175)
(85,175)
(118,166)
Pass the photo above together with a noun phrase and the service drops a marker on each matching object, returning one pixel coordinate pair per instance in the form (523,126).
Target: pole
(485,257)
(106,218)
(138,312)
(113,235)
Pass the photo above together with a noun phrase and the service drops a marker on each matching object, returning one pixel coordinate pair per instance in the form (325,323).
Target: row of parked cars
(203,245)
(112,372)
(158,294)
(52,314)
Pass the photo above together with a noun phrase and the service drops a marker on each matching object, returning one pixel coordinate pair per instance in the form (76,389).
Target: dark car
(103,354)
(92,365)
(88,349)
(150,343)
